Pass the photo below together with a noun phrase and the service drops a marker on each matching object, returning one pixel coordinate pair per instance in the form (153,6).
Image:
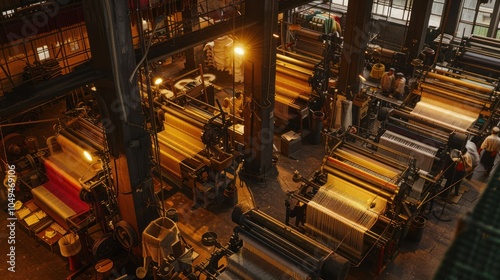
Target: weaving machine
(455,102)
(73,172)
(193,146)
(292,86)
(480,55)
(358,203)
(425,141)
(264,248)
(446,109)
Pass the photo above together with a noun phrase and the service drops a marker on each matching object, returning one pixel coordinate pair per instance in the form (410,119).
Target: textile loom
(455,102)
(193,146)
(74,172)
(480,55)
(425,141)
(264,248)
(359,202)
(293,90)
(446,109)
(303,74)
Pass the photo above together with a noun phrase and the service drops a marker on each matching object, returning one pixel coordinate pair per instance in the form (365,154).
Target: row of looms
(126,141)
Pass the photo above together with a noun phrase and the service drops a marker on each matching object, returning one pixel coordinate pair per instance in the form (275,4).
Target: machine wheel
(12,145)
(125,234)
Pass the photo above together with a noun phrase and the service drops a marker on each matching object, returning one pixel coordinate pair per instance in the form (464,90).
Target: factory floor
(415,260)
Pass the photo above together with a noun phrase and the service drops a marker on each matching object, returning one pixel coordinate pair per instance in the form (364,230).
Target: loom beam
(301,250)
(475,87)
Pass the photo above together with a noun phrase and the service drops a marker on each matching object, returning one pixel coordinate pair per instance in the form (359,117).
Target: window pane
(468,15)
(437,8)
(470,4)
(464,30)
(480,30)
(398,13)
(434,21)
(483,18)
(340,2)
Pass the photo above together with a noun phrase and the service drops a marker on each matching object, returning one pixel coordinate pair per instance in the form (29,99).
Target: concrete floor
(414,260)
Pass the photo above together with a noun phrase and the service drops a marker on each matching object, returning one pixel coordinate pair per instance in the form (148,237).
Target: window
(340,2)
(399,11)
(476,18)
(436,13)
(8,13)
(43,53)
(73,45)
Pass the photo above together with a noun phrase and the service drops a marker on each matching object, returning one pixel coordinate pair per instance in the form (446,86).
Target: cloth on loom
(443,116)
(66,169)
(178,142)
(421,152)
(255,261)
(458,106)
(344,212)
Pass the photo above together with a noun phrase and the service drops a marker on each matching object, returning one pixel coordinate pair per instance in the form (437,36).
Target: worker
(237,101)
(457,166)
(387,82)
(299,213)
(462,166)
(489,149)
(472,150)
(227,106)
(399,86)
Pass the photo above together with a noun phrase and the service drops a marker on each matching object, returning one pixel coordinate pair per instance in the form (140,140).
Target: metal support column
(259,86)
(109,32)
(355,40)
(417,28)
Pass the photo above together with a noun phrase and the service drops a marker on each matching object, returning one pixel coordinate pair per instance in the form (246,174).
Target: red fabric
(65,189)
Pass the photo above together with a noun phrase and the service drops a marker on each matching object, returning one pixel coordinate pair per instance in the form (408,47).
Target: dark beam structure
(260,75)
(190,40)
(26,98)
(355,40)
(417,28)
(290,4)
(110,38)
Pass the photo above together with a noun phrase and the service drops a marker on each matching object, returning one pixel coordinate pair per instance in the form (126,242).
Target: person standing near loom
(489,149)
(387,82)
(399,86)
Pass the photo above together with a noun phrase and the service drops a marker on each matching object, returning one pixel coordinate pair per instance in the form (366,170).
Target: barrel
(377,71)
(416,229)
(317,126)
